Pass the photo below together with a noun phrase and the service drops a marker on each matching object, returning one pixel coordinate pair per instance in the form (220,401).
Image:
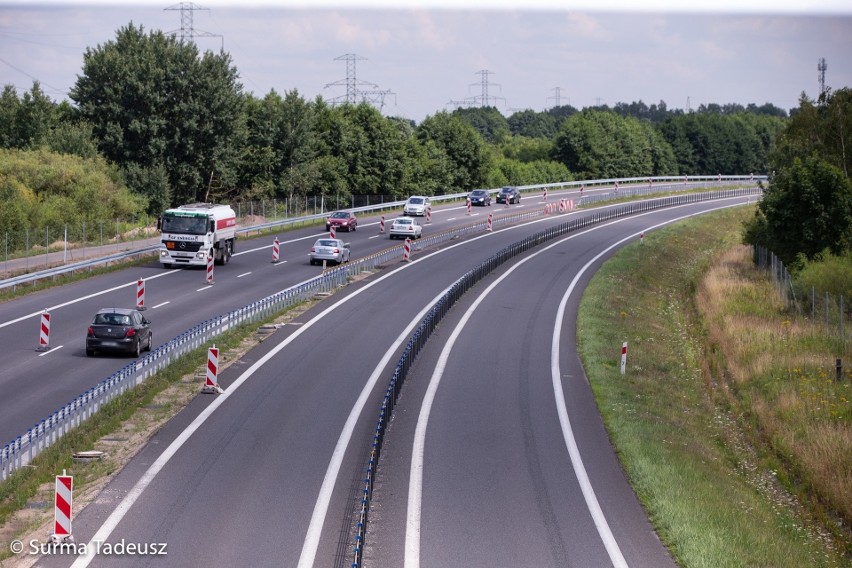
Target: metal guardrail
(442,306)
(627,186)
(26,447)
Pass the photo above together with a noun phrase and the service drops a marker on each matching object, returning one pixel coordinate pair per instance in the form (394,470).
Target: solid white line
(415,485)
(243,274)
(320,510)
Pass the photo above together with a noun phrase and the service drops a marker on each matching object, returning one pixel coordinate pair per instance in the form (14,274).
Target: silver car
(330,250)
(405,227)
(416,205)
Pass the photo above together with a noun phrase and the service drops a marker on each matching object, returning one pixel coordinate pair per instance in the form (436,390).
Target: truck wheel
(226,254)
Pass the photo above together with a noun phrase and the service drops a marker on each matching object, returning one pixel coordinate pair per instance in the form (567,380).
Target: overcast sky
(422,57)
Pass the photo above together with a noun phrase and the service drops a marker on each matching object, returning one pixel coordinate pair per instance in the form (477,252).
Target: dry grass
(781,371)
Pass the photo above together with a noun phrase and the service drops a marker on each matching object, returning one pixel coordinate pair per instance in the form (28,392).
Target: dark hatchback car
(479,197)
(341,220)
(119,329)
(510,194)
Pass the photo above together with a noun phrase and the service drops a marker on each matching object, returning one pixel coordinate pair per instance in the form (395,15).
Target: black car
(510,194)
(479,197)
(119,329)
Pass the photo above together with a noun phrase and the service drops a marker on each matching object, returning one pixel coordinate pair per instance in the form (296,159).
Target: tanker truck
(192,232)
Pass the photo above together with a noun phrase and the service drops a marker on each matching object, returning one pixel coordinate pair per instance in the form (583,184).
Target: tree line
(173,125)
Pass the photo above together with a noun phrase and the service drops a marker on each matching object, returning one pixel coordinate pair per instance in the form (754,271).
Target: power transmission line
(354,94)
(187,29)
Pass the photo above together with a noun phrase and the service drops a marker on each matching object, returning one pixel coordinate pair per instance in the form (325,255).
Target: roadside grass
(715,488)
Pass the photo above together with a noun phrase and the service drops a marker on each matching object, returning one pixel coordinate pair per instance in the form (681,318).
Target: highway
(514,467)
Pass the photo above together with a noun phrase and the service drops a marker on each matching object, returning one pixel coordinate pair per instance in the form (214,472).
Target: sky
(415,58)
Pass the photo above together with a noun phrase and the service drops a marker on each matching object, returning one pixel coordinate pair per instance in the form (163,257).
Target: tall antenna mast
(822,67)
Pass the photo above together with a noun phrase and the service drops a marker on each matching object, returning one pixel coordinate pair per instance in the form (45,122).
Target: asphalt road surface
(268,473)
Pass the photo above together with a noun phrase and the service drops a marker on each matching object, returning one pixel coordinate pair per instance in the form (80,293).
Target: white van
(416,205)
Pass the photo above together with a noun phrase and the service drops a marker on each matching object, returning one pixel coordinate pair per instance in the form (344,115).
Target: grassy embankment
(729,421)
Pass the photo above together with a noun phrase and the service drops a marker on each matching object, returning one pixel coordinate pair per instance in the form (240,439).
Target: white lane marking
(205,288)
(75,300)
(415,484)
(243,274)
(281,263)
(321,508)
(161,304)
(318,518)
(51,350)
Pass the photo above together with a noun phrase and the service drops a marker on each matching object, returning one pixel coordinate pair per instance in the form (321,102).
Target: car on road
(330,250)
(341,220)
(480,197)
(405,227)
(119,329)
(416,205)
(509,193)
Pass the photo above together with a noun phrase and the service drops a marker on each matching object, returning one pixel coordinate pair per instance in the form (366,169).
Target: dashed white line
(51,350)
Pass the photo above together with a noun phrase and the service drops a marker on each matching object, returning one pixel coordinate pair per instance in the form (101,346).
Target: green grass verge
(691,463)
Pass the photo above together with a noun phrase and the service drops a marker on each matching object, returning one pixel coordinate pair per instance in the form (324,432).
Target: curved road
(268,473)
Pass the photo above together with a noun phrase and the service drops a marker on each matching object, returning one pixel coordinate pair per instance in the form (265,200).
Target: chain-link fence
(832,311)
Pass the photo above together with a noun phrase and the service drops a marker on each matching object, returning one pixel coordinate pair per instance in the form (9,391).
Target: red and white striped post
(544,195)
(276,249)
(616,187)
(468,205)
(428,214)
(507,201)
(685,180)
(641,238)
(44,332)
(623,357)
(211,381)
(582,187)
(650,183)
(331,232)
(140,294)
(382,225)
(62,508)
(490,223)
(210,269)
(406,250)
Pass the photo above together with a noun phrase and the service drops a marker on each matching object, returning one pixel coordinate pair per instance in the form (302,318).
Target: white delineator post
(623,357)
(44,332)
(276,249)
(62,508)
(140,294)
(211,381)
